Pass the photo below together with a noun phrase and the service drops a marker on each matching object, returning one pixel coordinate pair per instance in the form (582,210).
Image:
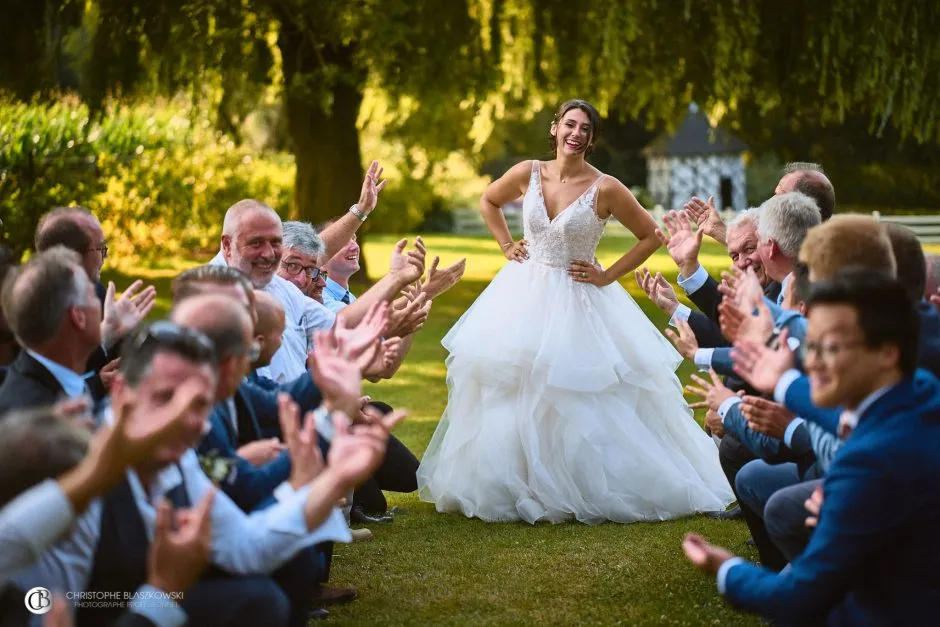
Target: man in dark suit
(51,306)
(874,555)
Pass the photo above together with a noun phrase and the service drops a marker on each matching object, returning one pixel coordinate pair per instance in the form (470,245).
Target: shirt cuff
(324,422)
(703,358)
(723,572)
(283,491)
(791,429)
(693,283)
(726,406)
(783,385)
(681,314)
(158,607)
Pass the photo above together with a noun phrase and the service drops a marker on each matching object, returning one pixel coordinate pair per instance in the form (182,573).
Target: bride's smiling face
(573,134)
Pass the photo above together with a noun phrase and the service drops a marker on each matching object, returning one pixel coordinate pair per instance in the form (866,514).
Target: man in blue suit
(875,553)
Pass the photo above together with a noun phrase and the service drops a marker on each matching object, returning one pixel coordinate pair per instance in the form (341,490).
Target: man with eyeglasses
(302,248)
(256,554)
(874,553)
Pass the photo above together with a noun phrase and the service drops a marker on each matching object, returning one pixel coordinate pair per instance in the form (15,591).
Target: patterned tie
(345,298)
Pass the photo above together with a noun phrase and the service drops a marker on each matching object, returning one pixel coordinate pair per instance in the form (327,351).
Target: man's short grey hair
(302,237)
(39,294)
(802,166)
(746,216)
(786,219)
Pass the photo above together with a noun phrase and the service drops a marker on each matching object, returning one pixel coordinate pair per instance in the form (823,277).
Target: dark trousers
(785,516)
(280,599)
(398,473)
(733,456)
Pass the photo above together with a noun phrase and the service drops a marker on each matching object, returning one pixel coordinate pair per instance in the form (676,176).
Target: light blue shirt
(72,382)
(333,295)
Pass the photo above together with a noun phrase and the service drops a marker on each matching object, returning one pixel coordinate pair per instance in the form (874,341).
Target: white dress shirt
(303,317)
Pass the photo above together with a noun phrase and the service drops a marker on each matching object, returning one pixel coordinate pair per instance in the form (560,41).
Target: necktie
(345,298)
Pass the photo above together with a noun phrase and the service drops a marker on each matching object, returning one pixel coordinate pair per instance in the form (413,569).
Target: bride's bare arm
(503,190)
(619,202)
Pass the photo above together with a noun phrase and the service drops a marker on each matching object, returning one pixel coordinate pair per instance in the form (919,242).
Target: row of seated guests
(862,424)
(259,326)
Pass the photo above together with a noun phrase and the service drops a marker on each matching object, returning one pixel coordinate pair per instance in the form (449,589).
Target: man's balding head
(270,327)
(809,179)
(251,240)
(227,323)
(77,229)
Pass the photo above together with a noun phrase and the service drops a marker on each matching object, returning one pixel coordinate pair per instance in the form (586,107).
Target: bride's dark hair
(592,114)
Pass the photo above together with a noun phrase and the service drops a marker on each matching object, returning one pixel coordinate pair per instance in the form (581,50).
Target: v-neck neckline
(552,220)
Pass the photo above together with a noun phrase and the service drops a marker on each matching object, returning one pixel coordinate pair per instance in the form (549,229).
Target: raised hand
(109,373)
(761,366)
(357,450)
(714,392)
(765,416)
(121,316)
(408,319)
(408,267)
(703,555)
(659,290)
(439,281)
(706,216)
(359,343)
(736,325)
(180,552)
(517,251)
(372,185)
(714,424)
(681,242)
(260,452)
(685,341)
(301,442)
(339,379)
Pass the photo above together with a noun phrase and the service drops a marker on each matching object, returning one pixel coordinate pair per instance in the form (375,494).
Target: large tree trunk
(324,138)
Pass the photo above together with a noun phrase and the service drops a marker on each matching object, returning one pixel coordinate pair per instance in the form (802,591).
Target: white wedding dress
(563,400)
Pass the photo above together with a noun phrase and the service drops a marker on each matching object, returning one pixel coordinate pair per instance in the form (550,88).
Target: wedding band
(584,275)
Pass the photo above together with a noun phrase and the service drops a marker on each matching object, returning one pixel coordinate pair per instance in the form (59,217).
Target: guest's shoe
(317,613)
(734,513)
(361,535)
(333,595)
(359,517)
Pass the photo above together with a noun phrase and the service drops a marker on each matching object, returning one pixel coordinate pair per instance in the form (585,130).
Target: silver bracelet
(359,213)
(503,246)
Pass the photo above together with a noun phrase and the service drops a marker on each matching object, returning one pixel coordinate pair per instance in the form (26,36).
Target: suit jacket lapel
(28,367)
(248,428)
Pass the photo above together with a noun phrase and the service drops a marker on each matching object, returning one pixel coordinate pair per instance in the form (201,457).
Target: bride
(563,400)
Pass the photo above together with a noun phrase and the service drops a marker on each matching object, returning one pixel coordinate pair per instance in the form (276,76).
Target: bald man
(809,179)
(252,239)
(269,328)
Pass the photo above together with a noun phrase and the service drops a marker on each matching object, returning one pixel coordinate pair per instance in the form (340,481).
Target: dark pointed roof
(695,137)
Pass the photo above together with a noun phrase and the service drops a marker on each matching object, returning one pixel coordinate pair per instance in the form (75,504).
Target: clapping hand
(121,316)
(409,318)
(681,242)
(182,543)
(814,505)
(714,392)
(738,325)
(685,341)
(357,450)
(301,442)
(372,185)
(659,291)
(408,267)
(339,379)
(761,366)
(439,281)
(765,416)
(935,299)
(707,218)
(359,343)
(704,555)
(260,452)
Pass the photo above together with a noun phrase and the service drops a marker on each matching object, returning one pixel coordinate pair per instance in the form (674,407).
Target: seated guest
(51,307)
(36,447)
(107,551)
(301,248)
(252,242)
(874,555)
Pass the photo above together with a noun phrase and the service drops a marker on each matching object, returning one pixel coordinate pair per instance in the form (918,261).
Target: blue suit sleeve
(860,511)
(722,363)
(798,401)
(768,448)
(250,485)
(264,401)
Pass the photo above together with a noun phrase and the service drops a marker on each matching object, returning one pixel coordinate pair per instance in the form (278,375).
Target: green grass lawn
(430,568)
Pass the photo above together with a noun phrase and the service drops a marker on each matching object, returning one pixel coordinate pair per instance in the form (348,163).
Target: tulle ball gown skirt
(563,403)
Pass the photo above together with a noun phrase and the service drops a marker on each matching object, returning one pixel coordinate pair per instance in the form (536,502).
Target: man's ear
(226,245)
(77,317)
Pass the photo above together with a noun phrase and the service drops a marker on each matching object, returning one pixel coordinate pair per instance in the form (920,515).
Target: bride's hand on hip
(518,251)
(586,272)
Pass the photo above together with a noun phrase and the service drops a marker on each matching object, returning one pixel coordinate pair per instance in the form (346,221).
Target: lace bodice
(573,234)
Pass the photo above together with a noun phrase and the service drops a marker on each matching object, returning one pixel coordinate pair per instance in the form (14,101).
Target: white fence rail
(469,222)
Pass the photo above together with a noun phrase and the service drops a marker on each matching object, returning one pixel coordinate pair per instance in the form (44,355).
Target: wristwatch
(359,213)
